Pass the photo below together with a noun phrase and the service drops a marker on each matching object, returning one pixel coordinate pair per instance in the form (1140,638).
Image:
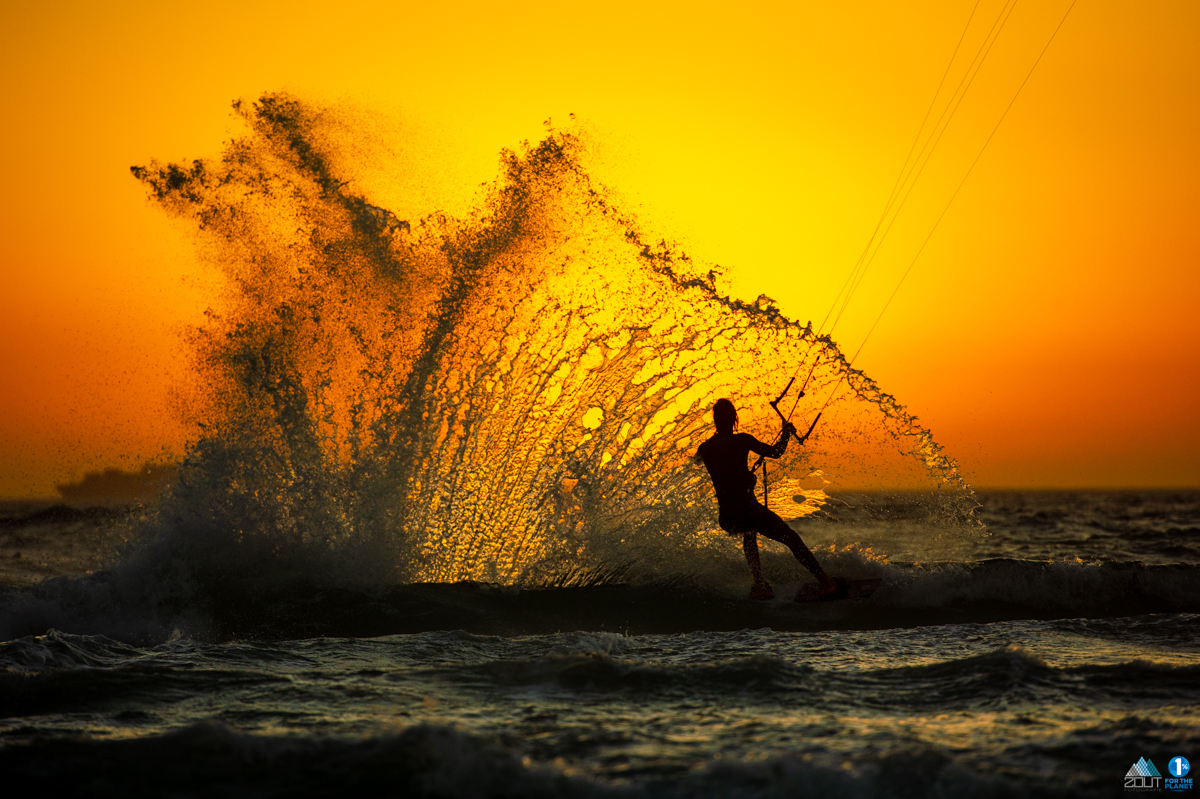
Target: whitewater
(438,533)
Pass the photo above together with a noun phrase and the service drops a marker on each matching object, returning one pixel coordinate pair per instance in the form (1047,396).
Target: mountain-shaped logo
(1143,768)
(1143,776)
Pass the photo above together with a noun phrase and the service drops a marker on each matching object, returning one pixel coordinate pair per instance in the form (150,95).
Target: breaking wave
(910,596)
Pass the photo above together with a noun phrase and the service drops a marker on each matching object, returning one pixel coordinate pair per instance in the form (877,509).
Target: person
(740,512)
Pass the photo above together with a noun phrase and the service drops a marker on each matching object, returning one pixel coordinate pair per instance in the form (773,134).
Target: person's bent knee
(784,535)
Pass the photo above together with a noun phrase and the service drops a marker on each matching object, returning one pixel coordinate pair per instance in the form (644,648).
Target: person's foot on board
(831,587)
(761,591)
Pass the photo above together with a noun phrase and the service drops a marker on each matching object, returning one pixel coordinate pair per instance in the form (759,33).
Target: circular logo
(1178,766)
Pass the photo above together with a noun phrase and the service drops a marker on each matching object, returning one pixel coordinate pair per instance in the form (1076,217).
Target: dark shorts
(752,517)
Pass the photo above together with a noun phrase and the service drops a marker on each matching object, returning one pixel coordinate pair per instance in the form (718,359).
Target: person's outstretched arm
(778,448)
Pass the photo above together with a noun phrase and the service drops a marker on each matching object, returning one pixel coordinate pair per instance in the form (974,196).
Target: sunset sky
(1048,334)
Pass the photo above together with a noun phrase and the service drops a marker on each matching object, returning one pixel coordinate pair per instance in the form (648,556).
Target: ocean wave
(60,673)
(143,610)
(435,760)
(596,671)
(1000,677)
(1014,674)
(209,757)
(67,673)
(56,651)
(1098,587)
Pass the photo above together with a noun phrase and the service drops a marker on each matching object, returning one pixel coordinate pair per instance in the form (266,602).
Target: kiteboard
(854,589)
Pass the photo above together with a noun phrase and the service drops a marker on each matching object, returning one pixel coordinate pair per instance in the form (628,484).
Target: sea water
(439,533)
(1019,674)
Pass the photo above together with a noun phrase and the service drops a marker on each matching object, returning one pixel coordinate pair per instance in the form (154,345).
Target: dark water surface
(1065,649)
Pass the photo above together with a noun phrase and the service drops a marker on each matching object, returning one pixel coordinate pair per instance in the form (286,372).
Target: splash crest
(511,396)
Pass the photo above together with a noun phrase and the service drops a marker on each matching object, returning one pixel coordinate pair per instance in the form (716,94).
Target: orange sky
(1048,334)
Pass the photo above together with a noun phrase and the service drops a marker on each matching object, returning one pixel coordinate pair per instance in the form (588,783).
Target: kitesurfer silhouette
(741,514)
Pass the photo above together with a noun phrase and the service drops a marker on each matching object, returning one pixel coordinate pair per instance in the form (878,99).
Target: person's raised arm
(777,449)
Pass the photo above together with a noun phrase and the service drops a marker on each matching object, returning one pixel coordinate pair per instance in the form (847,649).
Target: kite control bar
(810,428)
(775,406)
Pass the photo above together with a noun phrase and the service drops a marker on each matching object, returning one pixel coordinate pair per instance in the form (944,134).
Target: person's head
(725,416)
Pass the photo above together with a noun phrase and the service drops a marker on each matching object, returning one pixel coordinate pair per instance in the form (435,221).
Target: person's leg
(776,529)
(760,589)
